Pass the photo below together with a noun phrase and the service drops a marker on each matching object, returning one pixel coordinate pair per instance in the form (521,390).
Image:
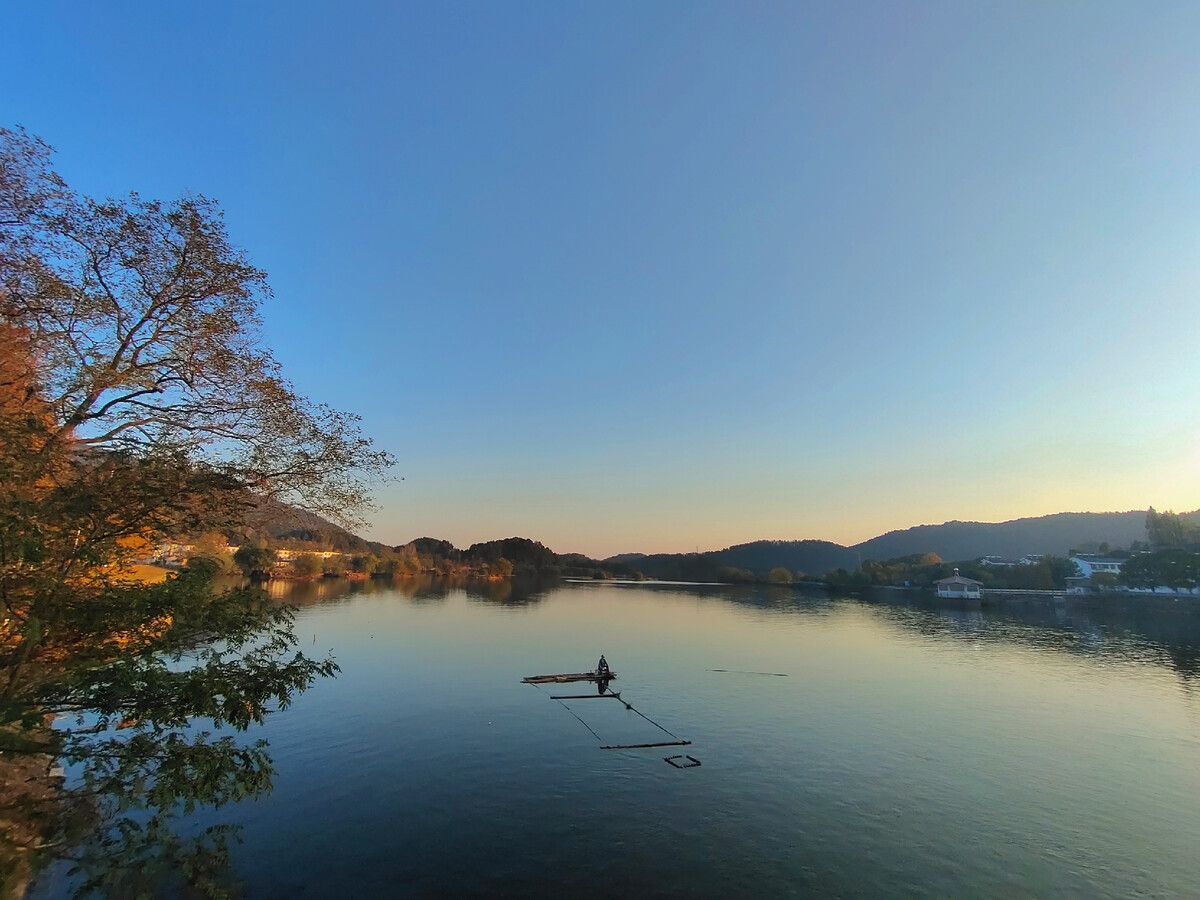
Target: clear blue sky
(652,276)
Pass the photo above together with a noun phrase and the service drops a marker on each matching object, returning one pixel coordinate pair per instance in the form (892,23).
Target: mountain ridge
(1056,533)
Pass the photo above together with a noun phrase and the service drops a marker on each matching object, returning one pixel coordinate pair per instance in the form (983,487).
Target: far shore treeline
(1155,549)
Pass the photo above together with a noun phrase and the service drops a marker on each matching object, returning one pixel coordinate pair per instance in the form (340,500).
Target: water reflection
(913,748)
(1169,638)
(521,590)
(1139,632)
(518,591)
(1150,632)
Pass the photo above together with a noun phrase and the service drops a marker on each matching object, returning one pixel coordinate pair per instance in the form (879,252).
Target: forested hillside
(1054,534)
(1057,534)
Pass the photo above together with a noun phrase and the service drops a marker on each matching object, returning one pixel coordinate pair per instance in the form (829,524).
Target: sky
(663,276)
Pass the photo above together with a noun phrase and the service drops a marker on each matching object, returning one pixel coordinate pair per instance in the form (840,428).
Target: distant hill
(287,526)
(813,557)
(1056,534)
(517,550)
(757,558)
(952,541)
(279,524)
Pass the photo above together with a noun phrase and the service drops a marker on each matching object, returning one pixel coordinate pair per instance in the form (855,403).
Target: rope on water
(652,722)
(581,722)
(571,711)
(628,705)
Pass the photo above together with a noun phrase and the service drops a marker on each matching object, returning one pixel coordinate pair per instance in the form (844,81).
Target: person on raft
(602,666)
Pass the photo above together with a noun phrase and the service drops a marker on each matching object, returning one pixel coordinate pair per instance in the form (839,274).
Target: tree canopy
(137,404)
(145,321)
(1171,531)
(1172,568)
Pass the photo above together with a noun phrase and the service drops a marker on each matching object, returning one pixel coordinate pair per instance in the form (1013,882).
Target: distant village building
(1089,565)
(172,554)
(1030,559)
(289,556)
(957,586)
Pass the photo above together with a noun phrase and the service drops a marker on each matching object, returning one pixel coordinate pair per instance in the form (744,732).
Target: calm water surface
(908,752)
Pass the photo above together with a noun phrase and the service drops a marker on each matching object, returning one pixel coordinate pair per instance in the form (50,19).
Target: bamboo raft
(569,676)
(601,679)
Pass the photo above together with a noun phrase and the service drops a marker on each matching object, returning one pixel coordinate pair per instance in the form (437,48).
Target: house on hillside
(291,555)
(170,554)
(1030,559)
(1089,564)
(957,586)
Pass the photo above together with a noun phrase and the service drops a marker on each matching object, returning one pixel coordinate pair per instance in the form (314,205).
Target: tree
(254,561)
(145,321)
(734,575)
(1169,531)
(137,404)
(212,546)
(779,575)
(841,580)
(1163,568)
(306,565)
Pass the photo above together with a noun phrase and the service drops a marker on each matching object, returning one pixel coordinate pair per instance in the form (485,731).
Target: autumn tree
(214,546)
(364,562)
(779,575)
(255,562)
(306,565)
(137,404)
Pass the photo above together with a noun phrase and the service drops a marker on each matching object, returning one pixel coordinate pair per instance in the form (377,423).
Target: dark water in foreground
(909,752)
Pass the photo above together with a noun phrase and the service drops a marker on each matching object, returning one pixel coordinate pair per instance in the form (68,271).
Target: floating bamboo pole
(584,696)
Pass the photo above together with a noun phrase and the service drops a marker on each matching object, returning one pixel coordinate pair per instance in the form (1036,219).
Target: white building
(1030,559)
(1089,565)
(957,586)
(291,555)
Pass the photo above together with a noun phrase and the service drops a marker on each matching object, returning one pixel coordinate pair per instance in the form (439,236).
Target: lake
(902,751)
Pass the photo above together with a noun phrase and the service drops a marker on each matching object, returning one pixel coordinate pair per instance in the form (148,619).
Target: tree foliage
(136,405)
(1170,531)
(363,562)
(306,565)
(144,317)
(254,561)
(1172,568)
(1049,573)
